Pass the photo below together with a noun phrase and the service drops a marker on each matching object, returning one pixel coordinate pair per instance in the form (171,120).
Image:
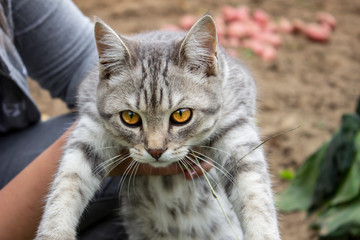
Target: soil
(310,85)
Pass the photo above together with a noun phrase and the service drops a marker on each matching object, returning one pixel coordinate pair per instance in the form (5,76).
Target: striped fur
(154,74)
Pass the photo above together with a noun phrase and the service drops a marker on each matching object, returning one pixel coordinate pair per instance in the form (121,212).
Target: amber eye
(181,116)
(130,118)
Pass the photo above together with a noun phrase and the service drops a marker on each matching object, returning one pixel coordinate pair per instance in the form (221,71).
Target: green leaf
(330,182)
(298,195)
(357,110)
(340,222)
(338,160)
(350,187)
(287,174)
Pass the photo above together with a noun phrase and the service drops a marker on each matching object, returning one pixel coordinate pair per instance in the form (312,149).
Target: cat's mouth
(191,158)
(188,162)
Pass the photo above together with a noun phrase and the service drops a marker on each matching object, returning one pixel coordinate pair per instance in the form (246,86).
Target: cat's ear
(114,55)
(198,49)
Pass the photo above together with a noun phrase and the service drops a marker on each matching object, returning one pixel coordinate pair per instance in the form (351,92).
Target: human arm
(21,200)
(56,43)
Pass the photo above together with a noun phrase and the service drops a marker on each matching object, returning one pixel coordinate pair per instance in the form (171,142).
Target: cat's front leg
(250,190)
(73,187)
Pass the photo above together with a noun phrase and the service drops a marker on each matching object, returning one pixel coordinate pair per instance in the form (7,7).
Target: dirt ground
(309,85)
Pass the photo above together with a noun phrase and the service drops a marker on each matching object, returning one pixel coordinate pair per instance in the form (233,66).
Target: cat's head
(159,93)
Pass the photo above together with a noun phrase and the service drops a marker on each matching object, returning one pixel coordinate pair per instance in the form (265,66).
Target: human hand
(190,172)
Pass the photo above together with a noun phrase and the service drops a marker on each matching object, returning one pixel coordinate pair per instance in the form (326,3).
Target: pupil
(131,114)
(180,113)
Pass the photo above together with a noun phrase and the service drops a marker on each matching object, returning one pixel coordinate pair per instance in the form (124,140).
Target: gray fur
(154,74)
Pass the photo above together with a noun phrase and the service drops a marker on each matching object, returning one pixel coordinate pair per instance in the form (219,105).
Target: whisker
(189,162)
(112,163)
(117,162)
(217,199)
(225,173)
(202,169)
(187,165)
(216,165)
(259,145)
(124,176)
(213,148)
(204,157)
(103,165)
(197,164)
(128,170)
(181,167)
(132,175)
(134,178)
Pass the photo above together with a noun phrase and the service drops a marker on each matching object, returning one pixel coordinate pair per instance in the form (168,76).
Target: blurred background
(309,83)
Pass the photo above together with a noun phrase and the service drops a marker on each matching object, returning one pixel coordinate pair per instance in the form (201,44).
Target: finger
(197,171)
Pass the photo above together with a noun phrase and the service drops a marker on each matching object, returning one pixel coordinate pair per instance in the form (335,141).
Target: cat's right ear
(114,55)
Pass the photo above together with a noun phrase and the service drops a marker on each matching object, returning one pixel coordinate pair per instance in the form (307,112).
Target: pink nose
(156,153)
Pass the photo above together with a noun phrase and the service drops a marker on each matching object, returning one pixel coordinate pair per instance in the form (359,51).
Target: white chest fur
(171,207)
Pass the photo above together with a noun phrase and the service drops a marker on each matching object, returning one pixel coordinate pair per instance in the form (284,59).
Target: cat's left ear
(198,49)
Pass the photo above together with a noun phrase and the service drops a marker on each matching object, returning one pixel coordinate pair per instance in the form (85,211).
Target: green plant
(328,184)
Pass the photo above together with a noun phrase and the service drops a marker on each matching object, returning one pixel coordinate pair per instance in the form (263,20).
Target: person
(53,43)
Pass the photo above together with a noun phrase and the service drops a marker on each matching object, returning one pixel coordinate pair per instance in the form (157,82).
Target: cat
(158,98)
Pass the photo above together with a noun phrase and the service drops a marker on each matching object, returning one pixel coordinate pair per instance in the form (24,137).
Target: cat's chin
(160,164)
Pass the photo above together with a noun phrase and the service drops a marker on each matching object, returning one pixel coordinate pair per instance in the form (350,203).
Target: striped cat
(160,98)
